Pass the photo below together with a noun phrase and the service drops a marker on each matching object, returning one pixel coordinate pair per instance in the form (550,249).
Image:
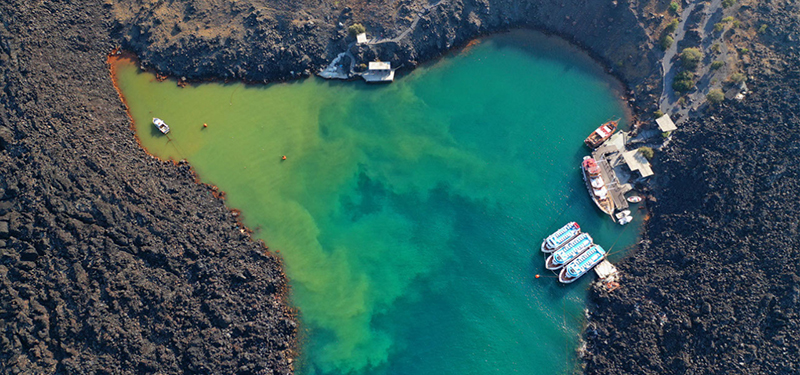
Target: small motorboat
(634,199)
(161,125)
(601,134)
(621,214)
(625,220)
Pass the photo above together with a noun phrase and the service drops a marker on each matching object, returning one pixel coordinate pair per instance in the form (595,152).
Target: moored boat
(560,237)
(568,252)
(600,134)
(161,125)
(634,199)
(582,264)
(596,186)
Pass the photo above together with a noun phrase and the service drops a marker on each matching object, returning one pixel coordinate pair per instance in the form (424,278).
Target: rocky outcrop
(259,43)
(714,286)
(112,261)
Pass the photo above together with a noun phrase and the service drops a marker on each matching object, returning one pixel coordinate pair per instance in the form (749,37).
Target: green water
(410,215)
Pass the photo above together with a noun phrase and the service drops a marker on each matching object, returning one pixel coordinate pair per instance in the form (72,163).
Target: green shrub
(719,27)
(683,82)
(658,113)
(717,64)
(727,19)
(672,25)
(744,51)
(737,78)
(674,7)
(728,3)
(715,48)
(715,96)
(690,58)
(356,29)
(647,152)
(736,24)
(666,42)
(762,29)
(665,134)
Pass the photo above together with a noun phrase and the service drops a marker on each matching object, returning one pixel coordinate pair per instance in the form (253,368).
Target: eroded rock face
(252,41)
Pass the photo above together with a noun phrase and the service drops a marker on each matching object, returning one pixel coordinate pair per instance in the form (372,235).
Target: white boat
(569,252)
(625,220)
(560,237)
(596,186)
(634,199)
(161,125)
(582,264)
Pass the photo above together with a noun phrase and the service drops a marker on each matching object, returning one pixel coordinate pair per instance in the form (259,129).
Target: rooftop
(605,269)
(380,65)
(665,124)
(637,162)
(361,38)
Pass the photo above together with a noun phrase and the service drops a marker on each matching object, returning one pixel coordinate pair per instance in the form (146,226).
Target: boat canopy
(563,235)
(604,131)
(601,192)
(585,261)
(572,249)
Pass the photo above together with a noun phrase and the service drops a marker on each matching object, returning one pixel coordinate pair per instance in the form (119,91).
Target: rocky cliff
(714,286)
(256,42)
(115,262)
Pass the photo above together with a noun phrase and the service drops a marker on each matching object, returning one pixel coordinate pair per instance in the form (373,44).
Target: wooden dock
(604,155)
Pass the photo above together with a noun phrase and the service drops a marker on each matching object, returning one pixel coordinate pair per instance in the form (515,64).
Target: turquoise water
(410,215)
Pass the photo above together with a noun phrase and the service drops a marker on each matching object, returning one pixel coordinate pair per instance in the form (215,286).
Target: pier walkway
(605,156)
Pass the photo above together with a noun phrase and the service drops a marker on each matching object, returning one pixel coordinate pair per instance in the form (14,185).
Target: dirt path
(669,99)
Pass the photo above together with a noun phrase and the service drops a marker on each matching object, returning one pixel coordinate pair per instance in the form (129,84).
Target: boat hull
(551,265)
(601,134)
(634,199)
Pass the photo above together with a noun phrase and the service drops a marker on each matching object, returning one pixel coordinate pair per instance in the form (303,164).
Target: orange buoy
(537,276)
(284,157)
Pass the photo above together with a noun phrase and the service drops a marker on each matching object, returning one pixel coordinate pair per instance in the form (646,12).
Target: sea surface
(410,215)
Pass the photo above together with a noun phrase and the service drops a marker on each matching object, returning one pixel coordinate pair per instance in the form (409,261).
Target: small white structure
(379,71)
(605,270)
(665,124)
(361,38)
(637,163)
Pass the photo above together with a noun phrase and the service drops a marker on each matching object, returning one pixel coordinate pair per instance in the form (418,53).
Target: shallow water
(410,215)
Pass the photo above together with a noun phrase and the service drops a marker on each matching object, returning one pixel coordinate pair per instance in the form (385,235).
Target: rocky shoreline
(113,261)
